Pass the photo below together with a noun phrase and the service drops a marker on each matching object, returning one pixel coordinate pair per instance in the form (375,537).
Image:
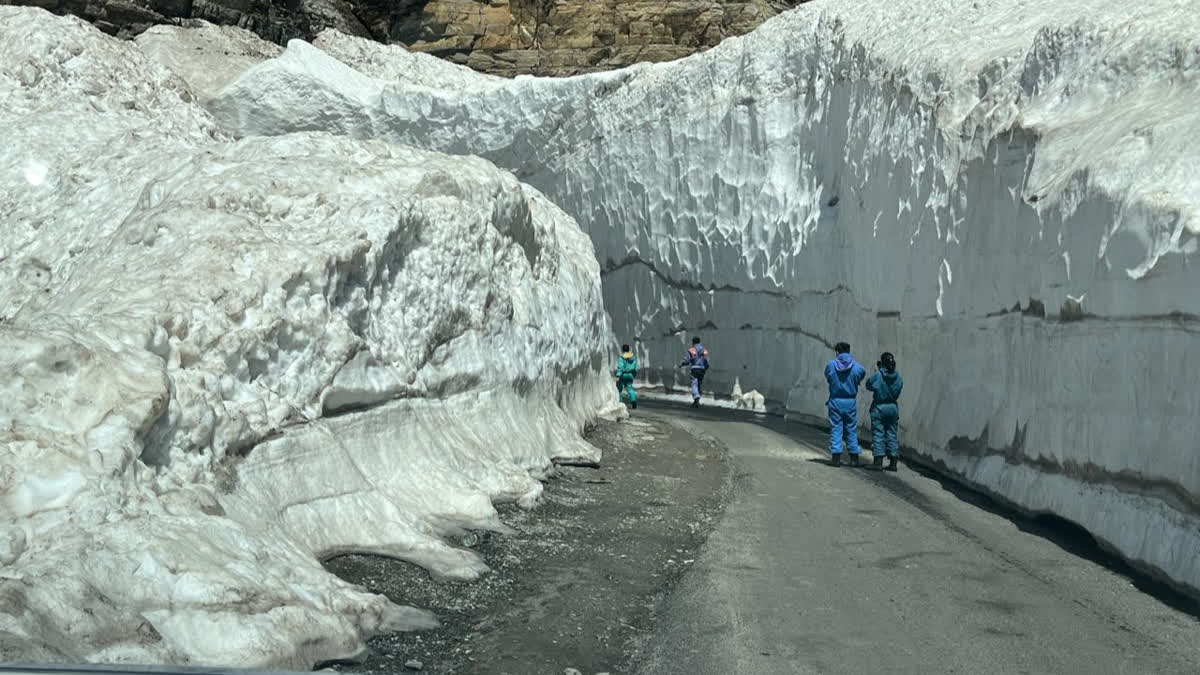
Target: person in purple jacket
(843,374)
(696,361)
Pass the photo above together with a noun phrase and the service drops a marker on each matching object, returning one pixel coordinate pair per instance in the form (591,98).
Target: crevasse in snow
(1002,193)
(226,359)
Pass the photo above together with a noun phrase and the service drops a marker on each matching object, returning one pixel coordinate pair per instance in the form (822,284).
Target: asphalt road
(816,569)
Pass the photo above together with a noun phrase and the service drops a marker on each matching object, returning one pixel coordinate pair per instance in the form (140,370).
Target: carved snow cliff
(223,360)
(1003,193)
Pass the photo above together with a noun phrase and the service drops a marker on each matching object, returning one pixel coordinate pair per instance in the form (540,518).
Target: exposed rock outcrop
(503,37)
(561,37)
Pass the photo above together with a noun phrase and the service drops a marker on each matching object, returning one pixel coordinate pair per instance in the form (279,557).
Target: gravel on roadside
(577,584)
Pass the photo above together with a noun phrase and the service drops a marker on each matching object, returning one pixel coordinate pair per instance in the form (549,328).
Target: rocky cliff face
(562,37)
(503,37)
(275,20)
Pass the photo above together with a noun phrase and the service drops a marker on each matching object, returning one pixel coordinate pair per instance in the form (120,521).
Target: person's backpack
(699,356)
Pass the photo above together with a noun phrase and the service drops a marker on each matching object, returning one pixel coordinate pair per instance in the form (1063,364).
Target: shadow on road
(1068,536)
(1061,532)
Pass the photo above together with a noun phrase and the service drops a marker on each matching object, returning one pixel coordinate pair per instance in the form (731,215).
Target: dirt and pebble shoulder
(578,583)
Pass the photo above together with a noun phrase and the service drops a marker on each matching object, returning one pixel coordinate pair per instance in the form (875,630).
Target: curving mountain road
(815,569)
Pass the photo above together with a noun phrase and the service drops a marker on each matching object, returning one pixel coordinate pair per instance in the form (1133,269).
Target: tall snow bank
(1001,192)
(223,361)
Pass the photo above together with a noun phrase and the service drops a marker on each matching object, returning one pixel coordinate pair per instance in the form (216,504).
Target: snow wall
(1002,192)
(224,360)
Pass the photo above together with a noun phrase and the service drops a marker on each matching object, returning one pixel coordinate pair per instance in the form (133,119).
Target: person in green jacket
(626,371)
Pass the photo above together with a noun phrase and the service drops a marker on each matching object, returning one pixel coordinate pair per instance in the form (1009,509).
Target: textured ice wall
(225,360)
(1001,192)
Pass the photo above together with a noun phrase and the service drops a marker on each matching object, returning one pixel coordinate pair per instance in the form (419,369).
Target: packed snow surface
(1001,192)
(207,56)
(224,360)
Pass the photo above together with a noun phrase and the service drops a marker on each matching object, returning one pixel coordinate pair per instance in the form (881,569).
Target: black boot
(892,463)
(695,403)
(877,463)
(837,459)
(854,460)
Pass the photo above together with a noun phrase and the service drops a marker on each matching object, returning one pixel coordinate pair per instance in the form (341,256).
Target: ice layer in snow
(1002,192)
(224,360)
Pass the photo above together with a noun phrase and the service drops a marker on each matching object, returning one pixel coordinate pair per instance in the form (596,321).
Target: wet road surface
(816,569)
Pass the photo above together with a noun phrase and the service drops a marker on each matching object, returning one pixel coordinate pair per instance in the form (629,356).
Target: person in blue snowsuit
(627,370)
(843,374)
(886,384)
(696,361)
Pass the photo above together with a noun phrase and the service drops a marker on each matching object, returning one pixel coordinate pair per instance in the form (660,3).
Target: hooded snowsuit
(885,412)
(843,374)
(626,371)
(697,361)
